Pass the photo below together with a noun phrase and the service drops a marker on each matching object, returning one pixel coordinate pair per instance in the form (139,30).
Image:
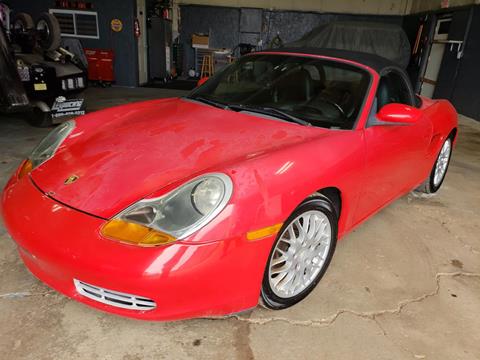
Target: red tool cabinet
(100,65)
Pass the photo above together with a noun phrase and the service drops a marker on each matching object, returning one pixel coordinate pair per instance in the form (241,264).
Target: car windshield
(305,90)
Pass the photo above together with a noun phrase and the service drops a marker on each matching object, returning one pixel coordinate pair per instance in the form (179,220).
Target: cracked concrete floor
(404,285)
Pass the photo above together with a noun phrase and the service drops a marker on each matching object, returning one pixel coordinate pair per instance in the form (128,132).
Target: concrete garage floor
(405,285)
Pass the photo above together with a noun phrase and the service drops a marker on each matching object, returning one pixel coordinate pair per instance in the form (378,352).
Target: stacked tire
(46,28)
(48,31)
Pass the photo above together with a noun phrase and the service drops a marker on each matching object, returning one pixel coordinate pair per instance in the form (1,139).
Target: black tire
(41,118)
(48,30)
(23,22)
(320,203)
(429,186)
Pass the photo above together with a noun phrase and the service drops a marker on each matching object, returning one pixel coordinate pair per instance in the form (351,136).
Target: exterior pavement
(404,285)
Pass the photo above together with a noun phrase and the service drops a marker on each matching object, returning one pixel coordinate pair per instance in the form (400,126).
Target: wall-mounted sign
(116,25)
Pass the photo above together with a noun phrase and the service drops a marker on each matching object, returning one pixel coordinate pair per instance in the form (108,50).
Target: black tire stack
(47,29)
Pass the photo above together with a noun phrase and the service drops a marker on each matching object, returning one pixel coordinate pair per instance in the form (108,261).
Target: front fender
(268,187)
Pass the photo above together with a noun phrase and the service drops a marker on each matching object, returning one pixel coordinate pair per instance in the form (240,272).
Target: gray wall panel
(251,20)
(221,22)
(224,25)
(466,88)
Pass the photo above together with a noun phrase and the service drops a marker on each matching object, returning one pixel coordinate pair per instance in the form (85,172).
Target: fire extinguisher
(136,28)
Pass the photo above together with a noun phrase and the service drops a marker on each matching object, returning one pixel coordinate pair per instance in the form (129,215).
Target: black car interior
(323,93)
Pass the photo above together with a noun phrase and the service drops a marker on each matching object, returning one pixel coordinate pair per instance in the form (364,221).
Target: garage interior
(403,285)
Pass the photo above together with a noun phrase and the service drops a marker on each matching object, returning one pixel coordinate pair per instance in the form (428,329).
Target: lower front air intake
(114,298)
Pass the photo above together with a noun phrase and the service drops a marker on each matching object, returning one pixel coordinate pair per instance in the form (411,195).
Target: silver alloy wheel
(300,254)
(442,162)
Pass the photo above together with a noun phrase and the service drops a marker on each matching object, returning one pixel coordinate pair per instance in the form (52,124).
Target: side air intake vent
(114,298)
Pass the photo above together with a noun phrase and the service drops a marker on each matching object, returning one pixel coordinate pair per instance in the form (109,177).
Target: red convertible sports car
(199,206)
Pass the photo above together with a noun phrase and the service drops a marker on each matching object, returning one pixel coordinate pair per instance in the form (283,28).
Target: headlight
(173,216)
(47,147)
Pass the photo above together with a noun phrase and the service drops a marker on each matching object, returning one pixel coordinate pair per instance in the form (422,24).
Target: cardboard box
(200,41)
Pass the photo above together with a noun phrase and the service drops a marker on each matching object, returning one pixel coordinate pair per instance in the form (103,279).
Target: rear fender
(444,120)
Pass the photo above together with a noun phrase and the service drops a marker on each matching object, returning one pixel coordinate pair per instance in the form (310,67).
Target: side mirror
(398,114)
(201,81)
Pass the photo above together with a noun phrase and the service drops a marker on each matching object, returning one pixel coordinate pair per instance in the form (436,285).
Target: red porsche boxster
(202,205)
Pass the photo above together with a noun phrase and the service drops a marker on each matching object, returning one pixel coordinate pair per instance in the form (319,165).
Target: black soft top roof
(373,61)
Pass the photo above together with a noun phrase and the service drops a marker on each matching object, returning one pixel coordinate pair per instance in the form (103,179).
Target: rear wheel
(437,175)
(301,254)
(48,30)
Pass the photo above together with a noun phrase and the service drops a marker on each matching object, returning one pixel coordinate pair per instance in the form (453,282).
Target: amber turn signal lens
(27,166)
(264,232)
(136,234)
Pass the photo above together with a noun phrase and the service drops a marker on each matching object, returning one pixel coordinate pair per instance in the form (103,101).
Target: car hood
(123,154)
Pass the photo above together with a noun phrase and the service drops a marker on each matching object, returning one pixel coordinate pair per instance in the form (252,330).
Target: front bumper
(59,244)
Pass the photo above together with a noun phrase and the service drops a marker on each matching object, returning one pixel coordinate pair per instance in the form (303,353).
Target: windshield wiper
(205,100)
(258,109)
(268,111)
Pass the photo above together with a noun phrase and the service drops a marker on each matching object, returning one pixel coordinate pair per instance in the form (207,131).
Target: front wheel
(301,254)
(437,175)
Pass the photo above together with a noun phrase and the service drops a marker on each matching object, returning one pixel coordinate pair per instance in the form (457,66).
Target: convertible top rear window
(314,91)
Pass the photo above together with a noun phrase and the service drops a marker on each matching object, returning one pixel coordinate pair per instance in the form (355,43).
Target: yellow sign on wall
(116,25)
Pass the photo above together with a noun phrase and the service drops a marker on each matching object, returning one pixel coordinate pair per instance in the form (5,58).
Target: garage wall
(123,43)
(384,7)
(223,25)
(431,5)
(458,79)
(466,90)
(372,7)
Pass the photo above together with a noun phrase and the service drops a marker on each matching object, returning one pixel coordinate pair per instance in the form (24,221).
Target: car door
(395,159)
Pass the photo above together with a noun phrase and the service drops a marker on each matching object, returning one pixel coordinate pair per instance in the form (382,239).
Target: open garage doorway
(436,55)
